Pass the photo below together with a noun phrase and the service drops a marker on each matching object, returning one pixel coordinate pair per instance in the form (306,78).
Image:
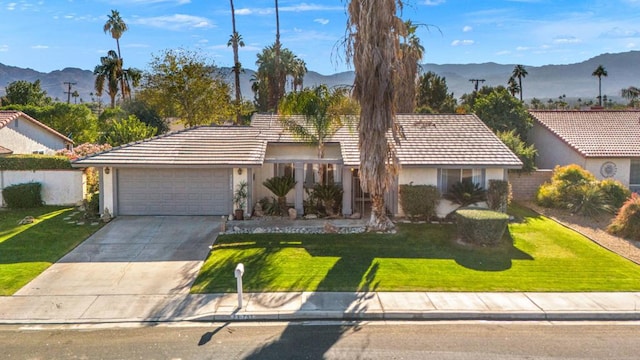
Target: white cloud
(628,46)
(39,47)
(462,42)
(618,32)
(566,40)
(4,48)
(11,6)
(303,7)
(433,2)
(467,28)
(522,48)
(322,21)
(176,22)
(503,52)
(143,2)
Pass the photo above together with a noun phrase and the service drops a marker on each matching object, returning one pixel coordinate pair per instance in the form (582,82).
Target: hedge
(26,195)
(481,226)
(419,200)
(34,162)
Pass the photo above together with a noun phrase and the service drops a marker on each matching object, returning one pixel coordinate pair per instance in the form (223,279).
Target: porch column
(299,175)
(347,188)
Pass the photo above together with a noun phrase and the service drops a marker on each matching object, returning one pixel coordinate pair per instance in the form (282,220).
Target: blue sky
(47,35)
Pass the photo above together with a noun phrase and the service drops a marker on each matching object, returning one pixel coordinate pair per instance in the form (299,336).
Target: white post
(238,273)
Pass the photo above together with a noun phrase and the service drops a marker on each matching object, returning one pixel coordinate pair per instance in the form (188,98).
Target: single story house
(22,134)
(195,171)
(606,143)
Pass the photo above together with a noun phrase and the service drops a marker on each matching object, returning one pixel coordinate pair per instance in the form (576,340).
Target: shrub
(329,197)
(499,195)
(466,193)
(23,195)
(481,226)
(269,206)
(627,222)
(419,200)
(526,153)
(92,204)
(615,193)
(34,162)
(577,190)
(280,187)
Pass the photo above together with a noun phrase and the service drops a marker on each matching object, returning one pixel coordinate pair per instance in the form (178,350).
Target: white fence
(59,187)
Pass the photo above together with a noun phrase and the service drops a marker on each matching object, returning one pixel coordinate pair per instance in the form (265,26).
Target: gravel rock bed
(293,230)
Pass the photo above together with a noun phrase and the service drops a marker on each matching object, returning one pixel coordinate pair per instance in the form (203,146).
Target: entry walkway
(60,309)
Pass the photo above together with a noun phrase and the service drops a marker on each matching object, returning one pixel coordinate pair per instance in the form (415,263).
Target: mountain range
(543,82)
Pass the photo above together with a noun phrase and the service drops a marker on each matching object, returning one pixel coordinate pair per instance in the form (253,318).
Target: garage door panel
(174,191)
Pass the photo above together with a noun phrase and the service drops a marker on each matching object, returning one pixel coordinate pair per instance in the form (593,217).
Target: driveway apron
(137,255)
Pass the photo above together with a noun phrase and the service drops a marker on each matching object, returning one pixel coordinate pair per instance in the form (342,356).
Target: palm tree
(512,87)
(116,27)
(632,94)
(299,71)
(271,87)
(373,45)
(132,78)
(411,52)
(600,71)
(108,72)
(277,76)
(236,41)
(519,72)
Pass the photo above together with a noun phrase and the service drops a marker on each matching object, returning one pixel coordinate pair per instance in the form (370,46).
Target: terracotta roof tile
(595,133)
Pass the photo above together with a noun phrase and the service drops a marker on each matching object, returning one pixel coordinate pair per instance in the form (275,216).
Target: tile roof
(430,140)
(7,116)
(207,146)
(595,133)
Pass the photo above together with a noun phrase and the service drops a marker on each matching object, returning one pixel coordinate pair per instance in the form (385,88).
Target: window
(330,173)
(448,177)
(634,176)
(284,169)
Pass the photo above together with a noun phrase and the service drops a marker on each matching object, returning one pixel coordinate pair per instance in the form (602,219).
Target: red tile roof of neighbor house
(8,116)
(595,133)
(430,140)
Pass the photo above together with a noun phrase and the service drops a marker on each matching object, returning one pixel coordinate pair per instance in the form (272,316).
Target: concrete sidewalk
(319,306)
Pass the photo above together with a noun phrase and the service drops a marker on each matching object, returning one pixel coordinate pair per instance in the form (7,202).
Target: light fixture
(239,171)
(107,170)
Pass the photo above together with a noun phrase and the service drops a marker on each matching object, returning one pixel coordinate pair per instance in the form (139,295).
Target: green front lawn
(27,250)
(545,256)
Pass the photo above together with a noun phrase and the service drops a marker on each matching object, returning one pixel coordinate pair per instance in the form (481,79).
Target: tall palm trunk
(373,45)
(236,64)
(520,86)
(120,71)
(276,95)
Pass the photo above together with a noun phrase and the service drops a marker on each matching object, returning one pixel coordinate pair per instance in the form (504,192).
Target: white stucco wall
(59,187)
(108,191)
(237,179)
(551,150)
(623,168)
(24,137)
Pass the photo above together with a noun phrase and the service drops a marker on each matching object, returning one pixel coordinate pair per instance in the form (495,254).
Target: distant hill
(543,82)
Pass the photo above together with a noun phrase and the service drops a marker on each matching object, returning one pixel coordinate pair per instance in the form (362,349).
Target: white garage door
(174,192)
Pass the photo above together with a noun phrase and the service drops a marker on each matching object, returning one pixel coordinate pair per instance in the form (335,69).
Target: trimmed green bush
(329,198)
(92,205)
(21,196)
(34,162)
(481,226)
(627,222)
(419,200)
(280,187)
(499,195)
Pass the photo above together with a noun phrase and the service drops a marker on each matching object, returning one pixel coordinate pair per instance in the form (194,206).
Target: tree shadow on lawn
(46,240)
(353,256)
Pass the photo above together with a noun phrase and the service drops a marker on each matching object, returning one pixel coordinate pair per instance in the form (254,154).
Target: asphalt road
(420,340)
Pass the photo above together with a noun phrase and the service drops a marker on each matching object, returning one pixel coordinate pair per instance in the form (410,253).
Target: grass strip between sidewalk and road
(27,250)
(537,254)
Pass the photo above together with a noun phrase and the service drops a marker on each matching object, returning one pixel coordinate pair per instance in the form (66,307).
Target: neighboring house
(195,171)
(22,134)
(606,143)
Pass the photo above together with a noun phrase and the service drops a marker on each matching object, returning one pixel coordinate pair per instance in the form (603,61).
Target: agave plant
(280,187)
(466,192)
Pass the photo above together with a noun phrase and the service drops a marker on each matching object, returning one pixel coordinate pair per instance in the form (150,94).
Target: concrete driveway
(142,255)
